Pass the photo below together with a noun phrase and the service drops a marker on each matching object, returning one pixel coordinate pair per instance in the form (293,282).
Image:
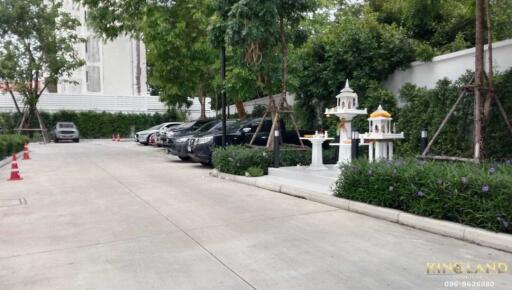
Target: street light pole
(223,77)
(223,92)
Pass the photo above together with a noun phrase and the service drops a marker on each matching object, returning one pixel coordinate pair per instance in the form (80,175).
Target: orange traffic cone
(118,138)
(15,173)
(26,155)
(113,137)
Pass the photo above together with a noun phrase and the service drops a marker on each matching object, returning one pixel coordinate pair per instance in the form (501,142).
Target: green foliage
(99,125)
(182,63)
(445,25)
(426,108)
(258,111)
(238,159)
(37,46)
(356,47)
(474,195)
(254,171)
(10,144)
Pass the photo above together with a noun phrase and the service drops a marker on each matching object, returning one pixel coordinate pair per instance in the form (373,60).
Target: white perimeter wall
(104,103)
(451,66)
(249,105)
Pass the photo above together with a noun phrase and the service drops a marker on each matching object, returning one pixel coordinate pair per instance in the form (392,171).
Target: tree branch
(13,97)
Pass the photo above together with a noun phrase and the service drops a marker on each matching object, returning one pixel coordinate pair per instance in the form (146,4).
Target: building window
(93,68)
(93,78)
(92,50)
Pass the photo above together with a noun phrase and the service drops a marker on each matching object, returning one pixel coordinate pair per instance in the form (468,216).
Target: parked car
(177,145)
(201,146)
(65,131)
(183,129)
(143,137)
(161,134)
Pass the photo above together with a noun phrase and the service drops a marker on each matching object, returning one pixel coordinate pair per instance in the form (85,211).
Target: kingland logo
(454,268)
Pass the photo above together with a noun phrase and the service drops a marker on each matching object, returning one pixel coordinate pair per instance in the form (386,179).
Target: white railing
(103,103)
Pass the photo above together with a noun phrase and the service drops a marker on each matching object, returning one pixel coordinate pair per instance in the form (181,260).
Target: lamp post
(276,148)
(423,140)
(223,77)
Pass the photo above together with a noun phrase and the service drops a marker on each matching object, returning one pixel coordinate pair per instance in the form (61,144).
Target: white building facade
(114,78)
(112,68)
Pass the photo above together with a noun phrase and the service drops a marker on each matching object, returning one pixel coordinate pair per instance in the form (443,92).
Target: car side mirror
(246,130)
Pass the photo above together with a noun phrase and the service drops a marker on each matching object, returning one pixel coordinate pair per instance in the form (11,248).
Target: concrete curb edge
(499,241)
(7,160)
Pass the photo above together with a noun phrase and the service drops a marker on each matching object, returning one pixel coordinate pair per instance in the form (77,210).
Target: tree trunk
(138,69)
(240,109)
(284,51)
(479,60)
(490,75)
(202,102)
(15,102)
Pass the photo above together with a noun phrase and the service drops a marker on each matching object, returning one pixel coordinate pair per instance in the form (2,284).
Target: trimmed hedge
(470,194)
(97,125)
(241,159)
(10,144)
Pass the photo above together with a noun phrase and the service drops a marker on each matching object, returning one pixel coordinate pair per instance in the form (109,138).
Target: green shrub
(10,144)
(238,159)
(255,171)
(426,108)
(474,195)
(97,124)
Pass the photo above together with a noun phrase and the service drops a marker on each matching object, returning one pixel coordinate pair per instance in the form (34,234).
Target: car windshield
(234,126)
(218,126)
(184,126)
(156,127)
(208,126)
(66,125)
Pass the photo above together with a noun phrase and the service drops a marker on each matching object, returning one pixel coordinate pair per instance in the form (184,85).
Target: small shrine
(346,109)
(317,140)
(380,136)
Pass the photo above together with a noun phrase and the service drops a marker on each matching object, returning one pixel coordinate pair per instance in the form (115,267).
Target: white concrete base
(305,177)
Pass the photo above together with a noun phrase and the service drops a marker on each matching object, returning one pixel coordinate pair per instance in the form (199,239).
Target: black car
(181,130)
(201,146)
(177,144)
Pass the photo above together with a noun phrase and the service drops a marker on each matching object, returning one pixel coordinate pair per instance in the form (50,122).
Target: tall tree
(37,48)
(181,61)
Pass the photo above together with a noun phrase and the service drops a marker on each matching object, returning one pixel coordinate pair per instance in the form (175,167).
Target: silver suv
(65,131)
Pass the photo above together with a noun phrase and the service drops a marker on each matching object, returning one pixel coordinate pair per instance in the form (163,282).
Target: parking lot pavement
(108,215)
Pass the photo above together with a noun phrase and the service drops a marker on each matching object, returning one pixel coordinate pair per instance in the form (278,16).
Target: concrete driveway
(106,215)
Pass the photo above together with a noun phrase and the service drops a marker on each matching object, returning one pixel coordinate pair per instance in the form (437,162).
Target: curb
(499,241)
(7,160)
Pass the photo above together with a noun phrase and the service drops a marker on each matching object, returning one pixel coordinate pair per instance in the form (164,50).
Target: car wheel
(209,163)
(56,140)
(76,140)
(184,158)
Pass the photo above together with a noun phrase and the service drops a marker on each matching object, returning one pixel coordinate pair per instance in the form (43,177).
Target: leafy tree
(181,62)
(355,46)
(444,25)
(261,28)
(37,42)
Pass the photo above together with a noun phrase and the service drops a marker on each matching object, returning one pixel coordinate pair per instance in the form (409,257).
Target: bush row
(240,160)
(474,195)
(97,124)
(10,144)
